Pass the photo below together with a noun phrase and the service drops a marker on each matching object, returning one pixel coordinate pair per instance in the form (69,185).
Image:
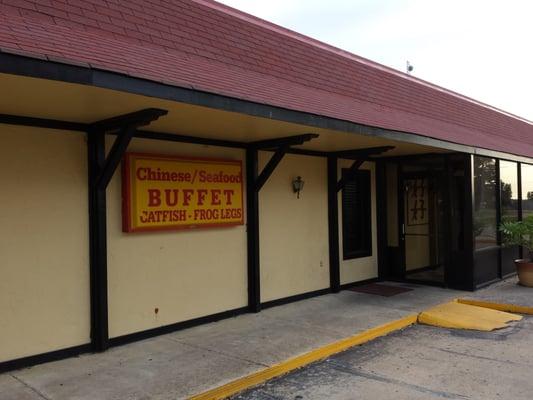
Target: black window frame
(359,181)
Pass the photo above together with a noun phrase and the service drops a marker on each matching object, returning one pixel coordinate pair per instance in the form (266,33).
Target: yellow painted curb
(257,378)
(292,364)
(457,315)
(512,308)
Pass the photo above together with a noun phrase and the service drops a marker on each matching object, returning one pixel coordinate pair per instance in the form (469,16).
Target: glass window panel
(509,190)
(527,190)
(485,222)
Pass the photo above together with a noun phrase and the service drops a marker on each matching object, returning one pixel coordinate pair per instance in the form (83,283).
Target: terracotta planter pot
(524,268)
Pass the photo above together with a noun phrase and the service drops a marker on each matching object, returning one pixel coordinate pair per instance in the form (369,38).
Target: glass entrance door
(422,226)
(426,207)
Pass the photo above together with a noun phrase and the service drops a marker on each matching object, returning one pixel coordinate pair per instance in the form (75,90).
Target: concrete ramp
(465,316)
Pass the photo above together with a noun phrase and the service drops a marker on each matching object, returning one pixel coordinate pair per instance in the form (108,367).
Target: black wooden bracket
(280,146)
(126,125)
(359,156)
(354,167)
(136,118)
(115,155)
(270,167)
(288,141)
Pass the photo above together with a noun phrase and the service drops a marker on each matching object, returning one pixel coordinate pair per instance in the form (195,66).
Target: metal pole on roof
(409,68)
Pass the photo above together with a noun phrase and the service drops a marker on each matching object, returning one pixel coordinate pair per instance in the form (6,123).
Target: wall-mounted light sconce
(297,186)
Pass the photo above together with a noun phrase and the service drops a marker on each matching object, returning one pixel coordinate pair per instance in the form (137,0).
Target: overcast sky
(482,49)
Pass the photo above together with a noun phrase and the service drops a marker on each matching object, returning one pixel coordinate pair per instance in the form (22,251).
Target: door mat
(380,290)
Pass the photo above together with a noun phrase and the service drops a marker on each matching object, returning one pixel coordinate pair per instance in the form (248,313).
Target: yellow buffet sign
(165,192)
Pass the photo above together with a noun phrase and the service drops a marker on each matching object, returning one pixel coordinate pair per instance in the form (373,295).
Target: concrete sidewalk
(508,292)
(191,361)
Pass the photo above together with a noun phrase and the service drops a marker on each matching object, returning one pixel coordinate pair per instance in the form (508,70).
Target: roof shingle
(211,47)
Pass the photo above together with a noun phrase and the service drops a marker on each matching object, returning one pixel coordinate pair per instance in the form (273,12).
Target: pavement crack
(194,346)
(300,324)
(367,375)
(458,353)
(262,395)
(27,385)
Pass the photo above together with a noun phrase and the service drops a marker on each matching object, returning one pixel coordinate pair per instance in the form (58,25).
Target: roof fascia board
(38,68)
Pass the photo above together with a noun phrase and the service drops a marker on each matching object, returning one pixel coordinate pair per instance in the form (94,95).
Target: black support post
(381,207)
(101,170)
(520,207)
(469,276)
(498,189)
(333,226)
(519,177)
(98,243)
(252,231)
(254,182)
(448,223)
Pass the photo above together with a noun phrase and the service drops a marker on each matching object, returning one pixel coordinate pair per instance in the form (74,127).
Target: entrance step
(465,316)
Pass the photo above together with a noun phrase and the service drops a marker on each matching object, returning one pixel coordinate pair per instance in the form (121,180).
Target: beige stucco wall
(44,266)
(359,269)
(44,290)
(184,274)
(293,232)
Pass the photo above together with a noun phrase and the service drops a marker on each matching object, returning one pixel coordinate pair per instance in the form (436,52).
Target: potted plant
(520,233)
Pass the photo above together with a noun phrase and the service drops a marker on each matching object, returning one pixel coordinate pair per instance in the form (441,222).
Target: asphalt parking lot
(419,362)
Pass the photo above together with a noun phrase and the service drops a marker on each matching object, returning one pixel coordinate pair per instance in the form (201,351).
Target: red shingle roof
(211,47)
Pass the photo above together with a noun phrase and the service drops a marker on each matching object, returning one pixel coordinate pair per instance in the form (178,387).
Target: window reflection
(485,223)
(509,190)
(527,190)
